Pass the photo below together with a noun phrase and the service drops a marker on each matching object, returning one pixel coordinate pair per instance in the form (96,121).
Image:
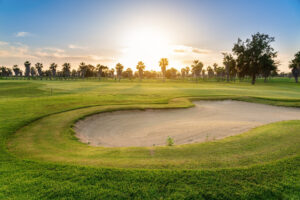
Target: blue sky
(130,30)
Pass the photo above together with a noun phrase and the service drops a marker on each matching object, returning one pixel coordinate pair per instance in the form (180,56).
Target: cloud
(53,49)
(73,46)
(2,43)
(23,34)
(50,52)
(201,51)
(189,49)
(179,50)
(16,51)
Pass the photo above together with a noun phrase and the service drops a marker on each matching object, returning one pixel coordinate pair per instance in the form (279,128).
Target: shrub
(170,141)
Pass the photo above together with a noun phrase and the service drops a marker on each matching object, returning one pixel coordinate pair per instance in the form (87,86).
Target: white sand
(208,120)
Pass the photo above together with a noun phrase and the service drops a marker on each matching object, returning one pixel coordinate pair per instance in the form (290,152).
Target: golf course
(46,152)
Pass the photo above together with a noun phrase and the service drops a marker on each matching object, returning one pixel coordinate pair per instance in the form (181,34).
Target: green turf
(44,163)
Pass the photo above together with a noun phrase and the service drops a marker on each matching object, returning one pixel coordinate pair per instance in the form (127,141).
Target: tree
(140,67)
(82,69)
(119,69)
(187,70)
(27,65)
(9,72)
(220,73)
(128,73)
(4,71)
(48,73)
(210,72)
(171,73)
(74,73)
(16,70)
(90,71)
(197,68)
(183,72)
(203,73)
(100,69)
(215,66)
(251,53)
(149,74)
(163,63)
(66,69)
(111,72)
(32,71)
(53,67)
(268,66)
(39,68)
(295,66)
(230,65)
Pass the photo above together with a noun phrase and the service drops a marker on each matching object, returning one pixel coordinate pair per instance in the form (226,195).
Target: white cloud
(2,43)
(23,34)
(53,49)
(16,52)
(73,46)
(189,49)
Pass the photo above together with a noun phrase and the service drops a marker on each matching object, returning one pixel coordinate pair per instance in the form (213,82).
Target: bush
(170,141)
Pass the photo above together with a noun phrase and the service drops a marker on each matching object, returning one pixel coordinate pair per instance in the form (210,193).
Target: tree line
(252,58)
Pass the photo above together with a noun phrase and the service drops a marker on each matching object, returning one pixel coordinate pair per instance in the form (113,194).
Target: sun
(147,45)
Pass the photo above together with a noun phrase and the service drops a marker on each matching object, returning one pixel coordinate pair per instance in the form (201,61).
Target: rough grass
(261,164)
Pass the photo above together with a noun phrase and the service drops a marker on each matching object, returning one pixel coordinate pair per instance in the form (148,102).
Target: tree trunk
(253,79)
(296,78)
(265,80)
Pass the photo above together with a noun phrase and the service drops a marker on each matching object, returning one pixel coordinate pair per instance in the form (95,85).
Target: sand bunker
(208,120)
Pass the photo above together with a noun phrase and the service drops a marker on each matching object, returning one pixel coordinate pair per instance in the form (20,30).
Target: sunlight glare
(147,45)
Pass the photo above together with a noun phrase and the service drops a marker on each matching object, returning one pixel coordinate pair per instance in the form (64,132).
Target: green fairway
(41,158)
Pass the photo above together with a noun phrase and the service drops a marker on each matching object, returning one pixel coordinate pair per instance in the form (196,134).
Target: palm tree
(100,70)
(53,67)
(197,68)
(183,72)
(203,73)
(215,66)
(163,63)
(119,69)
(39,67)
(112,72)
(9,72)
(66,69)
(129,73)
(230,65)
(141,67)
(210,72)
(187,70)
(16,70)
(27,65)
(74,73)
(82,69)
(32,71)
(4,71)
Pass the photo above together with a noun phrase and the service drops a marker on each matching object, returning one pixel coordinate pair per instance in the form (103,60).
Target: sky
(127,31)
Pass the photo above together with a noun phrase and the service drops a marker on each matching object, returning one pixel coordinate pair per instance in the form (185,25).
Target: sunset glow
(131,31)
(147,45)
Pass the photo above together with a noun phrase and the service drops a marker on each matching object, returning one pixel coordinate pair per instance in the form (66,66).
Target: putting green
(52,139)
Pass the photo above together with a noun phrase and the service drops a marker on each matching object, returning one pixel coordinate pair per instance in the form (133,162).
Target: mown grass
(41,141)
(261,164)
